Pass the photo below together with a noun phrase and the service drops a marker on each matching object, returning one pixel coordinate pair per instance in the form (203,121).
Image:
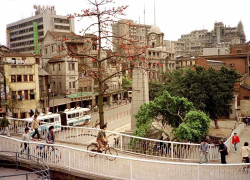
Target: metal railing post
(69,159)
(121,142)
(198,172)
(172,151)
(16,162)
(130,168)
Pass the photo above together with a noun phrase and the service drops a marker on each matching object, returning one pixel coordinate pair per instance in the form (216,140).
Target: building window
(30,77)
(59,67)
(246,97)
(19,78)
(60,85)
(13,78)
(153,45)
(23,115)
(149,53)
(37,61)
(13,94)
(25,78)
(32,94)
(53,67)
(52,48)
(94,64)
(69,84)
(71,66)
(238,51)
(20,96)
(46,50)
(158,54)
(153,53)
(74,84)
(58,48)
(26,94)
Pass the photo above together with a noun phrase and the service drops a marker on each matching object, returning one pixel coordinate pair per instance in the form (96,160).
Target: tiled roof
(42,72)
(15,54)
(64,34)
(246,83)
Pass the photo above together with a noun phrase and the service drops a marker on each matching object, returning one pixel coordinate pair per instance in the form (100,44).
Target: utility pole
(5,93)
(53,99)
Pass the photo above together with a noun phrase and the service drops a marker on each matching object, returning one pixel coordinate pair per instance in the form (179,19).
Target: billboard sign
(36,44)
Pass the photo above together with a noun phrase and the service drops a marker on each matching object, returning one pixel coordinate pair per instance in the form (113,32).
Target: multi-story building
(68,58)
(126,31)
(20,34)
(20,71)
(160,54)
(191,45)
(62,68)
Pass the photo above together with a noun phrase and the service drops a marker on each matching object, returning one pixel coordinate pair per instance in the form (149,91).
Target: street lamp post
(49,90)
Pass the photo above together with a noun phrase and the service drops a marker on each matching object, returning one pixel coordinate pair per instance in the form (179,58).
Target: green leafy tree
(210,91)
(167,109)
(156,89)
(195,127)
(126,83)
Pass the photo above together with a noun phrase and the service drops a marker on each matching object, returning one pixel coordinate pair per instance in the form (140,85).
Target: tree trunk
(216,124)
(100,105)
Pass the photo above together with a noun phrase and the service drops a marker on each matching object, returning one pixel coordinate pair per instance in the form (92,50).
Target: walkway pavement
(244,137)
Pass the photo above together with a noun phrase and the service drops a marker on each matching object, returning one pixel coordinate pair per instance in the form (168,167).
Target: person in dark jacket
(50,136)
(223,152)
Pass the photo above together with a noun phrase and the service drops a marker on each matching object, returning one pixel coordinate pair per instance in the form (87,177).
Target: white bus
(75,116)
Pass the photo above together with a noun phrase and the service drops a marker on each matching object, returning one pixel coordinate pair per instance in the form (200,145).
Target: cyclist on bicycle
(101,138)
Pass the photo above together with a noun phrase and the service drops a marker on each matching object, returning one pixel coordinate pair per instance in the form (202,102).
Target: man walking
(5,125)
(204,151)
(35,126)
(235,141)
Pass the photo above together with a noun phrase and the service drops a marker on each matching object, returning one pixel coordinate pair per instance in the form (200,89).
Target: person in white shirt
(245,151)
(26,137)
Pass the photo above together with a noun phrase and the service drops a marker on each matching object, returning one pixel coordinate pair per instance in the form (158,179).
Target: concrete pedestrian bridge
(138,158)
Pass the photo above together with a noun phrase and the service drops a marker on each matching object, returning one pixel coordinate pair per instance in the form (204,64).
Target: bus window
(56,119)
(72,115)
(69,116)
(51,120)
(77,114)
(46,120)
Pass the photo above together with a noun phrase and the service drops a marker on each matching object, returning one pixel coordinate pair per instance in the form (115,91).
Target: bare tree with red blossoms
(131,52)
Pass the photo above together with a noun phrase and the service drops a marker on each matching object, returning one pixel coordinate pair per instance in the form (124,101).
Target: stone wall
(245,107)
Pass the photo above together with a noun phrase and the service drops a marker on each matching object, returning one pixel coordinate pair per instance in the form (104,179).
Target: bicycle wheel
(92,147)
(111,151)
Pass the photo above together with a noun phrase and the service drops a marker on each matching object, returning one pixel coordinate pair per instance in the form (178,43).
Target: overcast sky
(174,17)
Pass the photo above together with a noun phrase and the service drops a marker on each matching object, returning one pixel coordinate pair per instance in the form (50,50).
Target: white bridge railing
(79,160)
(238,130)
(129,143)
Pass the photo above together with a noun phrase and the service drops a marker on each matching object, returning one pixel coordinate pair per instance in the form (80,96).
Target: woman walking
(223,152)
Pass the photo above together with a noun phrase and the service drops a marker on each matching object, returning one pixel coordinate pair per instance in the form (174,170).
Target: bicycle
(52,154)
(109,150)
